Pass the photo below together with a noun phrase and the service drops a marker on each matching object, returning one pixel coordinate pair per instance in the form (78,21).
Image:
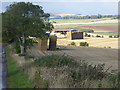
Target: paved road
(107,56)
(2,68)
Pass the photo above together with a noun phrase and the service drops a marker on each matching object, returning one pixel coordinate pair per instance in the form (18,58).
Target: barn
(67,33)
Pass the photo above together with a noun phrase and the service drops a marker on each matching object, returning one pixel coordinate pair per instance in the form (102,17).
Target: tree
(21,20)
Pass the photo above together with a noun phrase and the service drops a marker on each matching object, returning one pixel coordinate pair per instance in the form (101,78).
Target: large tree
(21,20)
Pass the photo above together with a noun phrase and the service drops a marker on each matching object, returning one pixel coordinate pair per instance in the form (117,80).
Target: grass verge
(16,77)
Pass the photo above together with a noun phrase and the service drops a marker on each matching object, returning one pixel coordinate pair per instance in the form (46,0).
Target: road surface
(2,68)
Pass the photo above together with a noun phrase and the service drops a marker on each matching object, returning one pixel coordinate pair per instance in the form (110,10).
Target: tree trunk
(22,49)
(22,46)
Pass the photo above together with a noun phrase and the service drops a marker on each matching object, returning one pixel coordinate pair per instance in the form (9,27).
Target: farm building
(67,33)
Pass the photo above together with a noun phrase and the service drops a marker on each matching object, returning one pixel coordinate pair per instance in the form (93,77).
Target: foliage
(110,36)
(39,82)
(98,36)
(21,20)
(72,73)
(27,57)
(73,43)
(84,44)
(55,60)
(16,46)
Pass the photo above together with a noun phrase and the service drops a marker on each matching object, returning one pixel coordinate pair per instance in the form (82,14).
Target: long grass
(16,77)
(63,71)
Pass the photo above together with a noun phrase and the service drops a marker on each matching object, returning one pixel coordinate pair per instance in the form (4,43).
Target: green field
(76,26)
(76,20)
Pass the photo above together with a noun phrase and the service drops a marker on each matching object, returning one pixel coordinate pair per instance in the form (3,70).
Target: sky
(84,7)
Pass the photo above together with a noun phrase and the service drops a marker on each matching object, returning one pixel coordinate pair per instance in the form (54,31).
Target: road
(3,69)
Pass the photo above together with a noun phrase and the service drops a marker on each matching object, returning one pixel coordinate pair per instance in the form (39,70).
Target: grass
(55,60)
(16,77)
(71,74)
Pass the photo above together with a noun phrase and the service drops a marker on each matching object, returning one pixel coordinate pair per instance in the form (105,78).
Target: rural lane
(3,70)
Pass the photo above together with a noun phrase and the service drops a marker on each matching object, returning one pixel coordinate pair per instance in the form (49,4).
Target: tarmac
(3,70)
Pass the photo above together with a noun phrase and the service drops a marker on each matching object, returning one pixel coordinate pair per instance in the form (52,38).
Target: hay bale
(42,44)
(52,42)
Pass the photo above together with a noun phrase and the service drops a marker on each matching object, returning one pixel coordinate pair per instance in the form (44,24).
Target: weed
(73,43)
(84,44)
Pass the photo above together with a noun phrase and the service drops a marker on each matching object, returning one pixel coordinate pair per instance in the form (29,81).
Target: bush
(27,57)
(110,36)
(116,36)
(16,46)
(74,74)
(73,43)
(84,44)
(55,60)
(88,35)
(98,36)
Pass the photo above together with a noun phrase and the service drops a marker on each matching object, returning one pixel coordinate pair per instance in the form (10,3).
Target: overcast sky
(85,7)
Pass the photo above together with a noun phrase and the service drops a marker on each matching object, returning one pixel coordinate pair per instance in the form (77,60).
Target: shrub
(110,36)
(27,57)
(116,36)
(109,47)
(88,35)
(84,44)
(55,60)
(16,46)
(98,36)
(73,43)
(76,74)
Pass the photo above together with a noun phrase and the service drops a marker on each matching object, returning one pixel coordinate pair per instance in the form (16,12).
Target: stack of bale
(52,42)
(42,44)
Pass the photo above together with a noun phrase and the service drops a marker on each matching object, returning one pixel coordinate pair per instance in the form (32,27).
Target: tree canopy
(21,20)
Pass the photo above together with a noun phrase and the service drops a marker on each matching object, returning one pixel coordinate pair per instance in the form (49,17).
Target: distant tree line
(88,17)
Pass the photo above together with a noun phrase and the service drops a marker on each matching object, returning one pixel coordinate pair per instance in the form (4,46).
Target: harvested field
(113,28)
(93,42)
(90,54)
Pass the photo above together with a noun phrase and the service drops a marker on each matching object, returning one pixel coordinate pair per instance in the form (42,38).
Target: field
(76,20)
(113,28)
(93,42)
(105,26)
